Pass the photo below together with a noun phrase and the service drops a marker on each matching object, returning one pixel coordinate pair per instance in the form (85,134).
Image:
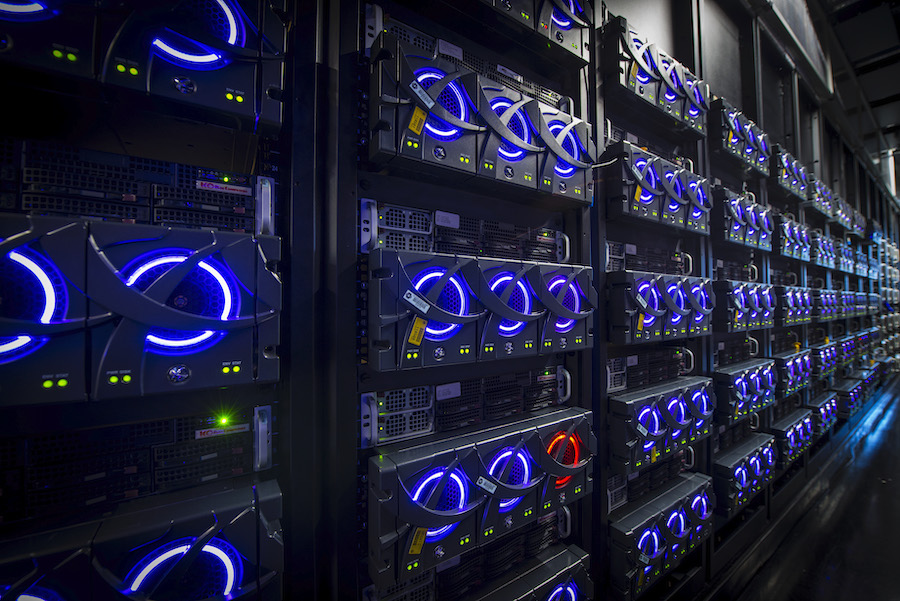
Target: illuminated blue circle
(454,497)
(216,570)
(452,98)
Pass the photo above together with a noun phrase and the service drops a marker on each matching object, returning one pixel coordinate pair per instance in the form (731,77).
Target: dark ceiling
(867,30)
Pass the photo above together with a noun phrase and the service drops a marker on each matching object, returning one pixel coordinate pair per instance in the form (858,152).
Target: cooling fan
(42,310)
(186,307)
(566,23)
(436,116)
(511,328)
(677,300)
(509,471)
(49,34)
(638,309)
(509,148)
(701,204)
(702,301)
(570,152)
(423,507)
(568,294)
(224,545)
(201,52)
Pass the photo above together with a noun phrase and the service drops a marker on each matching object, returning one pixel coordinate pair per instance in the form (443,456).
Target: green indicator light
(71,57)
(133,70)
(62,383)
(229,96)
(223,421)
(47,384)
(126,379)
(113,379)
(226,370)
(409,568)
(415,565)
(225,179)
(236,368)
(120,68)
(57,53)
(239,98)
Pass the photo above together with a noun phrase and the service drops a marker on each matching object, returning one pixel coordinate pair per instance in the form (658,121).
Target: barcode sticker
(631,360)
(418,121)
(418,541)
(630,249)
(417,332)
(416,301)
(486,485)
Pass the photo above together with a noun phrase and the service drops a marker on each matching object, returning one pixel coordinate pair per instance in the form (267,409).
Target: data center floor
(845,546)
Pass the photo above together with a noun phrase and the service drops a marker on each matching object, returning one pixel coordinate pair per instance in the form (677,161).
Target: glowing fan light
(677,523)
(212,549)
(455,99)
(518,125)
(432,479)
(522,477)
(572,301)
(563,592)
(649,294)
(43,279)
(700,294)
(567,459)
(740,476)
(652,179)
(520,296)
(560,18)
(437,331)
(22,9)
(198,338)
(570,144)
(8,345)
(649,543)
(201,59)
(701,401)
(677,294)
(700,505)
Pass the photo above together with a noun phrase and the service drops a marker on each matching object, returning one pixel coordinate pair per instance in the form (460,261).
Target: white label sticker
(509,73)
(631,360)
(421,93)
(446,219)
(446,48)
(642,430)
(721,346)
(228,189)
(447,391)
(416,301)
(486,484)
(644,559)
(630,249)
(212,432)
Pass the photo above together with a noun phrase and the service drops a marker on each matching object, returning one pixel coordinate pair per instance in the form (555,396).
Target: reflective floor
(847,547)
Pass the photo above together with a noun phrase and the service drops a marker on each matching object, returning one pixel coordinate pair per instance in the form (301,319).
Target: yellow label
(417,331)
(637,193)
(418,120)
(654,455)
(634,70)
(418,541)
(640,325)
